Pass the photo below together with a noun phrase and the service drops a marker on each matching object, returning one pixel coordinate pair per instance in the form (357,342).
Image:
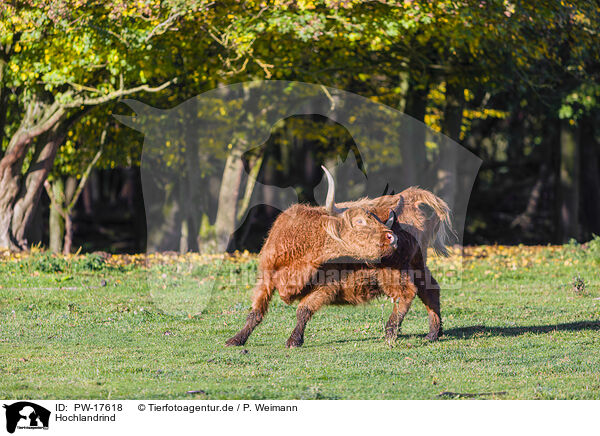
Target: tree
(58,60)
(460,66)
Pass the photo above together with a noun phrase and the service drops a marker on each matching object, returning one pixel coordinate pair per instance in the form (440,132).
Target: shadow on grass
(347,340)
(468,332)
(471,331)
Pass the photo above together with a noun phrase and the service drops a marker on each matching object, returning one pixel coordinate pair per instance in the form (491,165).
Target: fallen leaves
(139,260)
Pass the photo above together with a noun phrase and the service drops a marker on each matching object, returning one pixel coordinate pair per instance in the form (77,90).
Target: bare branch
(111,33)
(116,94)
(25,134)
(79,87)
(265,66)
(86,173)
(331,100)
(233,71)
(164,24)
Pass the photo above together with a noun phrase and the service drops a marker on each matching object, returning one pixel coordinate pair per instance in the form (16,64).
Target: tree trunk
(19,194)
(192,157)
(590,178)
(70,190)
(451,124)
(414,158)
(33,184)
(228,198)
(184,213)
(56,224)
(569,183)
(68,234)
(255,166)
(7,194)
(43,123)
(525,219)
(10,176)
(3,102)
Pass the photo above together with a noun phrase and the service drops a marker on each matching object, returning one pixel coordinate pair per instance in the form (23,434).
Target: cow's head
(359,233)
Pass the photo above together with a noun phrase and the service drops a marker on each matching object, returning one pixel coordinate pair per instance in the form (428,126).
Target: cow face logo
(26,415)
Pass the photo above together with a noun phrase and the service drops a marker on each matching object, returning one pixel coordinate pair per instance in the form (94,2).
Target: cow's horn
(330,202)
(390,221)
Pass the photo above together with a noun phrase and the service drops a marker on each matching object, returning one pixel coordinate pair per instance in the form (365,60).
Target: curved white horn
(330,201)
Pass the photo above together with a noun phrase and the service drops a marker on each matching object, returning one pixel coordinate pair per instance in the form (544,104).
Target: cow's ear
(426,209)
(144,114)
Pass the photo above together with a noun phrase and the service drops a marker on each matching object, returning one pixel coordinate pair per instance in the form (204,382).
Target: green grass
(521,323)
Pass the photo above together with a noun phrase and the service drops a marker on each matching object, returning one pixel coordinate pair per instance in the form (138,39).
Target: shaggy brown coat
(423,220)
(302,239)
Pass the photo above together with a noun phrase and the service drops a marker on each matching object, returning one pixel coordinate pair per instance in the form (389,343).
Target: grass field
(525,324)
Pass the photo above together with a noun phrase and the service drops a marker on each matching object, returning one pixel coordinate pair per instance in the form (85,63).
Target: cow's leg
(399,287)
(392,327)
(260,303)
(429,293)
(293,280)
(320,296)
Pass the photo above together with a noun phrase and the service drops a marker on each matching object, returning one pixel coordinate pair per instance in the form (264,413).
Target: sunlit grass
(521,325)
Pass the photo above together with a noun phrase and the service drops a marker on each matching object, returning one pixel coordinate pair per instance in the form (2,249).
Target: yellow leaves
(493,113)
(143,259)
(495,261)
(430,145)
(306,4)
(468,95)
(433,121)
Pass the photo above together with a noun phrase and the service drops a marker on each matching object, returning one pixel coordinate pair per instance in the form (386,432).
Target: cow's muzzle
(392,239)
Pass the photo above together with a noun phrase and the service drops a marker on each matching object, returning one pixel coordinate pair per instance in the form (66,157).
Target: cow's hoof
(433,336)
(234,342)
(294,343)
(390,340)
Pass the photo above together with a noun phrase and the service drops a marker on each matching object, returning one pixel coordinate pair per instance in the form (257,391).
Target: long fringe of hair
(444,234)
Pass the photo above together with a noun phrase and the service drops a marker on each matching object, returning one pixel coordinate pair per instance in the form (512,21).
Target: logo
(26,415)
(211,181)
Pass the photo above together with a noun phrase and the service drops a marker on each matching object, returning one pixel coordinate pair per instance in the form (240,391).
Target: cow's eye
(359,221)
